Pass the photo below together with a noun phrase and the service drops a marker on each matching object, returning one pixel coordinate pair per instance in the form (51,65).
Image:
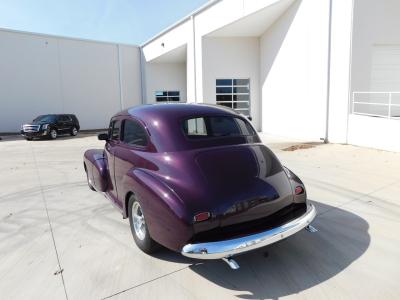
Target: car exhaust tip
(231,263)
(311,229)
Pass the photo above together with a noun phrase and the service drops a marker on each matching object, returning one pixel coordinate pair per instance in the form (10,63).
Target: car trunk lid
(245,182)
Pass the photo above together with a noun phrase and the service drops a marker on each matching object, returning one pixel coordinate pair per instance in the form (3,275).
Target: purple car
(196,179)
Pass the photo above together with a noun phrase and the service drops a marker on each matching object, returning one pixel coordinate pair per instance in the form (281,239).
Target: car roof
(147,112)
(57,115)
(162,121)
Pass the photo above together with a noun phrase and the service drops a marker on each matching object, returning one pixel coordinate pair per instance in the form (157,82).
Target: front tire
(87,179)
(139,228)
(53,133)
(89,184)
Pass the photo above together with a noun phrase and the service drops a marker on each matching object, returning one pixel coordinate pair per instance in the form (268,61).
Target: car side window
(134,134)
(245,127)
(114,130)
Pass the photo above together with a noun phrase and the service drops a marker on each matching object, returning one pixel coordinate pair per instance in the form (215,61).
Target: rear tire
(139,228)
(74,131)
(28,138)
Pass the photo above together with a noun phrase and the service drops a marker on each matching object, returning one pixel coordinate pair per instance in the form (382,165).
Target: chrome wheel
(139,223)
(74,131)
(53,133)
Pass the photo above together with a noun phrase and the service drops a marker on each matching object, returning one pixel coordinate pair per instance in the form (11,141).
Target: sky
(120,21)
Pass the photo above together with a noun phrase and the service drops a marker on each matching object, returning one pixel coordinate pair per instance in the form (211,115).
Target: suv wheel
(74,131)
(53,133)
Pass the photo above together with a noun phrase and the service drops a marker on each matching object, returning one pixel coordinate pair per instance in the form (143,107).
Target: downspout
(142,75)
(194,59)
(328,81)
(350,73)
(121,99)
(60,77)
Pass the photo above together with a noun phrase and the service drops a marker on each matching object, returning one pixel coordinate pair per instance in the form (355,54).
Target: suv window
(73,118)
(113,130)
(134,133)
(46,118)
(65,118)
(218,126)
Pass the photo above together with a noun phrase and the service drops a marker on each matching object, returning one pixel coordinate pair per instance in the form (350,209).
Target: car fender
(53,126)
(166,215)
(96,168)
(294,182)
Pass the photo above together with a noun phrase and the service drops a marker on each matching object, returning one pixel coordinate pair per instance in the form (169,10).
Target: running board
(231,263)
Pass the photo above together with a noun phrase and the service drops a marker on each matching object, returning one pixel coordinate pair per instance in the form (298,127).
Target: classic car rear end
(197,180)
(241,198)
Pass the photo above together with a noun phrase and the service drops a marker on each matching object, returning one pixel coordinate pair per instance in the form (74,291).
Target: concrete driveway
(60,240)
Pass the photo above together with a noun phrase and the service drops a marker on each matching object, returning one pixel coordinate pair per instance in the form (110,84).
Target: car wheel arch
(126,203)
(145,179)
(52,127)
(148,189)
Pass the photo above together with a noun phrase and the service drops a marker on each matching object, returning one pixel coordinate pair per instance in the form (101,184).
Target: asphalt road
(60,240)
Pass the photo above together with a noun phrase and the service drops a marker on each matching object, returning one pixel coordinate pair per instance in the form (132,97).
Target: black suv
(51,126)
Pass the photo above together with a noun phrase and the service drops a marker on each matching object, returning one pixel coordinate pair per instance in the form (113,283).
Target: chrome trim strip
(30,128)
(228,248)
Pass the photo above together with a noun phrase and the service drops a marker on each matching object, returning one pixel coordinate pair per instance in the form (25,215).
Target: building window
(167,96)
(234,93)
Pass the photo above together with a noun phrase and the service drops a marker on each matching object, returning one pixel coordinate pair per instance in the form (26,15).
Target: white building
(306,69)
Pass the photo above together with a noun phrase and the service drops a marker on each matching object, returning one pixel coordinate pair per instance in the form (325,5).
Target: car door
(62,123)
(133,142)
(110,149)
(68,123)
(59,124)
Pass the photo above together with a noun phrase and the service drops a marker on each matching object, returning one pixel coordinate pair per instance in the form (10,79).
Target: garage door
(385,68)
(375,123)
(384,84)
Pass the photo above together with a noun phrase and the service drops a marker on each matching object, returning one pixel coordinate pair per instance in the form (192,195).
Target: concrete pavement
(58,239)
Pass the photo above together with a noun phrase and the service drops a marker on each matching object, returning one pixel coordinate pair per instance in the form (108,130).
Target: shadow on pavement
(297,263)
(61,137)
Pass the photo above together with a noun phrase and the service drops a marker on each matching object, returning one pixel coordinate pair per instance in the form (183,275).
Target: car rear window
(216,126)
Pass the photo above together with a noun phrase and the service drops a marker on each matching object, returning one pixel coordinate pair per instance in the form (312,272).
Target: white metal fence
(376,104)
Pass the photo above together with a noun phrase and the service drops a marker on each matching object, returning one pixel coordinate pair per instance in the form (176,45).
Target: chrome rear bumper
(228,248)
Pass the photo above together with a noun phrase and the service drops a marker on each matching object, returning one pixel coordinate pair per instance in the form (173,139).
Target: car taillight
(298,190)
(202,217)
